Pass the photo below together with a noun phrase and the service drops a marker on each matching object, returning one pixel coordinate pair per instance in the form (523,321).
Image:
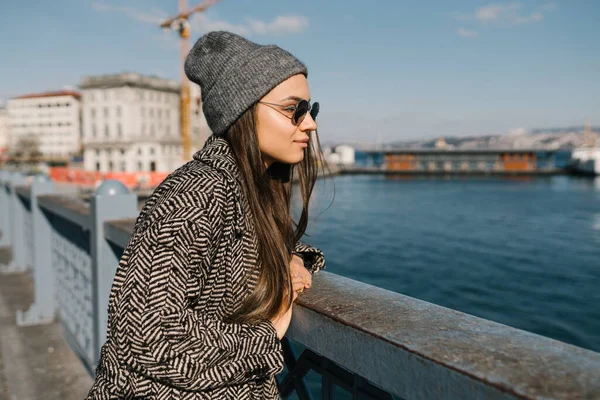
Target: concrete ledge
(23,191)
(67,207)
(119,231)
(418,350)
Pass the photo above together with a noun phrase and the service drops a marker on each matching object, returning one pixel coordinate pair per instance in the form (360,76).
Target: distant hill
(563,130)
(543,138)
(548,138)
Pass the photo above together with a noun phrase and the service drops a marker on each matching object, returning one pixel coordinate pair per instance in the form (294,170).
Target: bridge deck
(35,361)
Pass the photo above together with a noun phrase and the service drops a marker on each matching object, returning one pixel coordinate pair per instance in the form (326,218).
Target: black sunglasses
(299,110)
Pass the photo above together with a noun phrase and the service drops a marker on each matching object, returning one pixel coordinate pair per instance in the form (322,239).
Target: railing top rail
(119,231)
(23,191)
(69,207)
(411,347)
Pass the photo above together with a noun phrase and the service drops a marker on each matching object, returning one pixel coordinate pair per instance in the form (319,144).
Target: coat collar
(217,153)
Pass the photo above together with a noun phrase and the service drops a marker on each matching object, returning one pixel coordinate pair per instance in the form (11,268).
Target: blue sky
(386,70)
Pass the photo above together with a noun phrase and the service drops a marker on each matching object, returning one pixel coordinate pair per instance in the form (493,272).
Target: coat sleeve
(171,341)
(314,260)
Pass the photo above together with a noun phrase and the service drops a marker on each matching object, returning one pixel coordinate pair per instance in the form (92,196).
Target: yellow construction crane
(181,24)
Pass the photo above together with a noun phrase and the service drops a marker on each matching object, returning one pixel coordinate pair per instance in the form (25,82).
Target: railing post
(112,200)
(5,229)
(16,223)
(44,306)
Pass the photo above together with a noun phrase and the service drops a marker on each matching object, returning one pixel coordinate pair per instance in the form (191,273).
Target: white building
(4,132)
(52,120)
(341,154)
(200,129)
(131,123)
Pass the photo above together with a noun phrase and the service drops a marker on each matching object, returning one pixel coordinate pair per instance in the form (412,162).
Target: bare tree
(25,150)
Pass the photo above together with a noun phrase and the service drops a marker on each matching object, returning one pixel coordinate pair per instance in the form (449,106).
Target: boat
(586,160)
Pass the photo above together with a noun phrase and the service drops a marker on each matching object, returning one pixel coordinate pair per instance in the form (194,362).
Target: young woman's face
(279,140)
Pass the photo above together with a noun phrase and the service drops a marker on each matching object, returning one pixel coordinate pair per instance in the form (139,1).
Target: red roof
(72,93)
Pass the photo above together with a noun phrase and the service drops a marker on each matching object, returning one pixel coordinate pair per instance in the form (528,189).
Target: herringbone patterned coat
(191,259)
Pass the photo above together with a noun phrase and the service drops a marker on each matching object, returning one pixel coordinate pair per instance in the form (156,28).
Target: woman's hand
(301,277)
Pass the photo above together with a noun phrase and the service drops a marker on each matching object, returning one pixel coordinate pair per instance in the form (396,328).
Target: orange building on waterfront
(442,160)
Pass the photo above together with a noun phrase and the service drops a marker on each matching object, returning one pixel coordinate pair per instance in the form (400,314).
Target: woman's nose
(308,124)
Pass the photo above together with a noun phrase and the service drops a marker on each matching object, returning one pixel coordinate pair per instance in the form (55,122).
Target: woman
(203,292)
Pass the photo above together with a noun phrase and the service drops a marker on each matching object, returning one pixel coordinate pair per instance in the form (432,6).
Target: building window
(97,166)
(105,112)
(139,151)
(152,166)
(168,113)
(168,129)
(106,95)
(152,151)
(94,130)
(143,129)
(106,132)
(151,112)
(119,131)
(97,152)
(110,166)
(93,112)
(122,152)
(152,131)
(123,166)
(118,111)
(159,111)
(140,166)
(143,111)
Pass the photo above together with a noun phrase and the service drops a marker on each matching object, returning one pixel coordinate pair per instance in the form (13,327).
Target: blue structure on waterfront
(461,160)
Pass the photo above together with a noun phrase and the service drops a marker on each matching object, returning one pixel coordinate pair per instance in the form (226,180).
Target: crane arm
(186,14)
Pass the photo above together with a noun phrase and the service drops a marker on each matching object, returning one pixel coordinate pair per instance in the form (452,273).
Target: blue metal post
(112,200)
(16,223)
(5,229)
(43,308)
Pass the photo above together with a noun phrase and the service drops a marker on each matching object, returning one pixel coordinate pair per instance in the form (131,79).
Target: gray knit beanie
(234,73)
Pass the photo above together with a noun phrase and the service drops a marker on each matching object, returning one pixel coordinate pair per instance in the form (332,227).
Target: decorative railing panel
(72,263)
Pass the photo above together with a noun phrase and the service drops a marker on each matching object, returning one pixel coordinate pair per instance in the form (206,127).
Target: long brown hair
(269,193)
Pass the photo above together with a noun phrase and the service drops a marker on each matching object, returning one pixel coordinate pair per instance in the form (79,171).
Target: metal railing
(370,342)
